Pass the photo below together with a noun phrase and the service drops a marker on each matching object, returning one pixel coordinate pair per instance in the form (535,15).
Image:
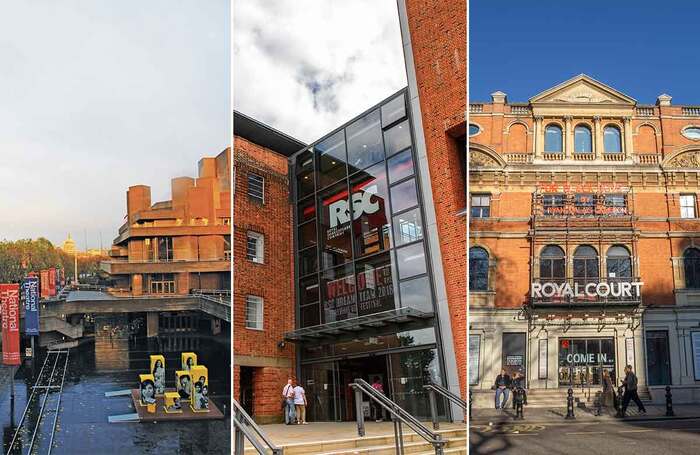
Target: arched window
(552,264)
(582,139)
(612,139)
(619,263)
(586,265)
(552,139)
(691,266)
(478,269)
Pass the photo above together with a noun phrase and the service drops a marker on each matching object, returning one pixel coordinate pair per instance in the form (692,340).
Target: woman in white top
(300,404)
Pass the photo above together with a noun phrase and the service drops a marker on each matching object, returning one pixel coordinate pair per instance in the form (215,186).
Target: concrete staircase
(551,398)
(378,445)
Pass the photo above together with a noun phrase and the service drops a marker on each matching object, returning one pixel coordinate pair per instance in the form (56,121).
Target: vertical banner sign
(52,282)
(695,340)
(542,363)
(44,284)
(474,348)
(30,291)
(629,351)
(9,309)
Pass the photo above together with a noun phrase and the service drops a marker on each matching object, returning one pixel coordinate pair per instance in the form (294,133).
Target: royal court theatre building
(584,247)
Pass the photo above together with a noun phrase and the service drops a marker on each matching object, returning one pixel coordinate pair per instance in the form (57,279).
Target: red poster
(44,284)
(52,282)
(9,309)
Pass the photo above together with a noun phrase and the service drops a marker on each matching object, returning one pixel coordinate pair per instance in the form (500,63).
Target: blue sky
(641,48)
(100,95)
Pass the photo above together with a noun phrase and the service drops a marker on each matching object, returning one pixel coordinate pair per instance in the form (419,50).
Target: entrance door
(658,358)
(319,382)
(583,360)
(367,368)
(246,389)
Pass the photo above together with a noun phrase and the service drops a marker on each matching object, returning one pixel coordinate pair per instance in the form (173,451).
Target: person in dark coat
(519,383)
(630,385)
(503,383)
(608,398)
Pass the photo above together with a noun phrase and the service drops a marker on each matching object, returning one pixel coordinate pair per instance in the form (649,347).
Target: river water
(114,363)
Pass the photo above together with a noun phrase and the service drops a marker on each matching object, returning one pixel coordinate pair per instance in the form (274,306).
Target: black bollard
(619,403)
(570,404)
(598,403)
(471,398)
(669,402)
(519,398)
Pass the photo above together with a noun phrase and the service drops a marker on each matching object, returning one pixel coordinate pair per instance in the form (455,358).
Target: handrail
(243,424)
(432,388)
(399,416)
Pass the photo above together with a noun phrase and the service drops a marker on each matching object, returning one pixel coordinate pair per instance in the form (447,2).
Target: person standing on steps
(503,384)
(300,403)
(630,385)
(379,387)
(288,397)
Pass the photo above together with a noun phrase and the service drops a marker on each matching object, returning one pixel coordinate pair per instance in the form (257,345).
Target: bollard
(471,398)
(619,403)
(519,397)
(669,402)
(570,404)
(598,403)
(359,414)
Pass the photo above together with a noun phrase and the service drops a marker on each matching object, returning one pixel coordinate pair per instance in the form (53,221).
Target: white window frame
(480,196)
(255,197)
(259,257)
(686,207)
(258,322)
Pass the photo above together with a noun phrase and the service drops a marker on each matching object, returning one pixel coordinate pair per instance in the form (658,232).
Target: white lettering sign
(621,289)
(587,358)
(339,211)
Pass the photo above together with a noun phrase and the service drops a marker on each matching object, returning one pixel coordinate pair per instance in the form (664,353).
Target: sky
(306,67)
(642,48)
(99,95)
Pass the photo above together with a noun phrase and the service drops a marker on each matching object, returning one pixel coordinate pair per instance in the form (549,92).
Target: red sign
(9,309)
(52,282)
(44,284)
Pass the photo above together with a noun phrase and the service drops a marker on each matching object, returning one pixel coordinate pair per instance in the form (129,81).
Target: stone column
(568,138)
(597,138)
(539,138)
(627,138)
(152,324)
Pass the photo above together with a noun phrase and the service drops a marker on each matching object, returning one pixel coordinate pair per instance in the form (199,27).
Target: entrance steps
(456,444)
(550,398)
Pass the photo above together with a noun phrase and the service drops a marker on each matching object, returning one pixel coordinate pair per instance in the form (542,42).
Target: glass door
(319,381)
(658,358)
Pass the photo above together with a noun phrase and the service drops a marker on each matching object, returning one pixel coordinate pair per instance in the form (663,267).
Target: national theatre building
(584,246)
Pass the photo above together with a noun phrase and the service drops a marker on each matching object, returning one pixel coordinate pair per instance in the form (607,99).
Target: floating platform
(162,416)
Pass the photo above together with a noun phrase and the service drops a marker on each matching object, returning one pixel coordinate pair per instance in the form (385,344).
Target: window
(586,265)
(364,138)
(400,166)
(474,129)
(481,205)
(332,159)
(253,312)
(553,204)
(552,139)
(615,204)
(305,176)
(165,249)
(393,110)
(255,247)
(411,260)
(227,247)
(370,210)
(691,132)
(687,206)
(691,267)
(397,138)
(256,188)
(552,264)
(585,204)
(612,139)
(408,227)
(478,269)
(582,139)
(404,196)
(619,264)
(162,283)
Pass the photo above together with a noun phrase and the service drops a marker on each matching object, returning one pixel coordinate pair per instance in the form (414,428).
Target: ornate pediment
(484,159)
(582,90)
(690,159)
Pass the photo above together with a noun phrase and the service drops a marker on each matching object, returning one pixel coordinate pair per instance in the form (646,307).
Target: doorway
(246,389)
(658,358)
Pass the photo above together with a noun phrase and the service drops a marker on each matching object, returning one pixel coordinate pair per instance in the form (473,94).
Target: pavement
(483,416)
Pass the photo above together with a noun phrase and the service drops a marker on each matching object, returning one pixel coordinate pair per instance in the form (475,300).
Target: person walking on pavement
(288,396)
(608,395)
(503,383)
(630,384)
(378,411)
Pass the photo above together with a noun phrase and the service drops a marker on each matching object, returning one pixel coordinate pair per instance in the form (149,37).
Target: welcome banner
(9,309)
(30,291)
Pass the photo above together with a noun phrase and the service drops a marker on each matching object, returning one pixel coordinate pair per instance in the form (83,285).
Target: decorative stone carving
(481,159)
(687,159)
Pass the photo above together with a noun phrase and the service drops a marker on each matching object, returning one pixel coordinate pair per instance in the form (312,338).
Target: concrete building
(583,234)
(175,246)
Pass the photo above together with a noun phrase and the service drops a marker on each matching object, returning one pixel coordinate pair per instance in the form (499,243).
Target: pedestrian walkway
(581,414)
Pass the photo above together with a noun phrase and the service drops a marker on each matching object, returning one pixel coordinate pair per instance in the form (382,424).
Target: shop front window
(582,361)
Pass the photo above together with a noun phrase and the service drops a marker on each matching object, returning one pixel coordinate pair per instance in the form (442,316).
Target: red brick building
(577,196)
(263,296)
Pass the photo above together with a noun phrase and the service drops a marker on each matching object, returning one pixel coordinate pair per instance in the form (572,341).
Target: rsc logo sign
(361,203)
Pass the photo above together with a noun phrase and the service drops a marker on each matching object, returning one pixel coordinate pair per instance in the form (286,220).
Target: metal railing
(446,394)
(398,415)
(245,428)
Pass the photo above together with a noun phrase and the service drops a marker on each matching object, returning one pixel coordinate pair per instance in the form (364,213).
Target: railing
(584,156)
(691,111)
(647,158)
(520,110)
(476,108)
(553,156)
(613,156)
(246,428)
(437,388)
(399,416)
(165,261)
(519,158)
(588,291)
(645,111)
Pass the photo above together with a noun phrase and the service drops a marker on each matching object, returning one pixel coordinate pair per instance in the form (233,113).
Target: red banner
(52,282)
(44,284)
(9,309)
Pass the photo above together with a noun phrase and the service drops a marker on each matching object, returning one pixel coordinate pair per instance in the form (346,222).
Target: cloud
(307,66)
(101,95)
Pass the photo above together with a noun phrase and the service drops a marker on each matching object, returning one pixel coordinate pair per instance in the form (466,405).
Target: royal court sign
(620,291)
